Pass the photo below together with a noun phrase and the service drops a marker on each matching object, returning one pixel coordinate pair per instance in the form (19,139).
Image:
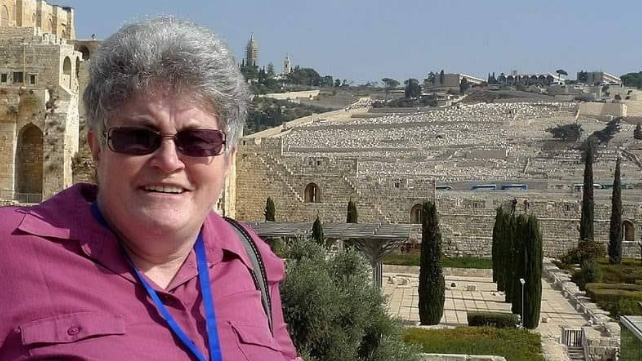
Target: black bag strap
(260,281)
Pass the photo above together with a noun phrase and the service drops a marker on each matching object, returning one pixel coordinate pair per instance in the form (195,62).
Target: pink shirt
(67,293)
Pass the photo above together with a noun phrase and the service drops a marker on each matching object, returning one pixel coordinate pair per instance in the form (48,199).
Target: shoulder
(10,220)
(274,266)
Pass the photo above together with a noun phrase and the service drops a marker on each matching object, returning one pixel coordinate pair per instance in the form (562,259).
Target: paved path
(478,294)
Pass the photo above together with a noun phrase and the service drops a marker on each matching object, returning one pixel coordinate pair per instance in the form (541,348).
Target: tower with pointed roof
(287,65)
(252,52)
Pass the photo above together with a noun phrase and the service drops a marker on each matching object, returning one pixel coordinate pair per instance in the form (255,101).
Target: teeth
(165,189)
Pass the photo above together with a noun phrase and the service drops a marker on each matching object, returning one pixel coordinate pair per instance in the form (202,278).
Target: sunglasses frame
(108,133)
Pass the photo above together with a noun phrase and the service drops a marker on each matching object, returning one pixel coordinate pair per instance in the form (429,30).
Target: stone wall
(466,217)
(612,109)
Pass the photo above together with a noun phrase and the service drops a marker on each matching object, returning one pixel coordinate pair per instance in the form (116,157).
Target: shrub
(492,319)
(629,306)
(589,273)
(333,311)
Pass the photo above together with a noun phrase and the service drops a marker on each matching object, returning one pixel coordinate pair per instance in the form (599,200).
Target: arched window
(4,16)
(66,72)
(628,231)
(85,52)
(29,163)
(415,214)
(312,193)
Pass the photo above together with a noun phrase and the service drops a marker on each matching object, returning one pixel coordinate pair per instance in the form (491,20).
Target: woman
(139,267)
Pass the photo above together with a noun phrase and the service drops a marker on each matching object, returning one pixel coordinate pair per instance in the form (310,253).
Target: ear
(231,160)
(94,146)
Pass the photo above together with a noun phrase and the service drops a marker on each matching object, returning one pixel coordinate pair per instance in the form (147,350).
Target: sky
(367,40)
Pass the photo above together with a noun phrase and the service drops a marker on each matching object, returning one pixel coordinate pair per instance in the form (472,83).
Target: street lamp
(521,280)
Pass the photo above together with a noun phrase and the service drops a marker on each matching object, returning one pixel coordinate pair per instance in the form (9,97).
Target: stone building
(39,87)
(287,65)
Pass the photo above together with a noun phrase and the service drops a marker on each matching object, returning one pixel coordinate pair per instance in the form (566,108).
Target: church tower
(287,65)
(252,52)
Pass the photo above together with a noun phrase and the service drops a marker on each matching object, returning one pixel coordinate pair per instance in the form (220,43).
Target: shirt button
(73,331)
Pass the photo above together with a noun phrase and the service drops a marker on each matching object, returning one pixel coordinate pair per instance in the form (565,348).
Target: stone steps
(576,353)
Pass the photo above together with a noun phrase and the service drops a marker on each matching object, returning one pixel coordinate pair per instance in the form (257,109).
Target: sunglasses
(141,141)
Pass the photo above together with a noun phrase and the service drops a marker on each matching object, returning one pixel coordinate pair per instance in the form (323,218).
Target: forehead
(168,110)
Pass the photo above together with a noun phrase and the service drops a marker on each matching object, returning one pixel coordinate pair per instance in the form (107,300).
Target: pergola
(375,241)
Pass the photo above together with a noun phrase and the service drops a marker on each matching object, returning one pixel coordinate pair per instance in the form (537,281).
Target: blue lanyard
(206,290)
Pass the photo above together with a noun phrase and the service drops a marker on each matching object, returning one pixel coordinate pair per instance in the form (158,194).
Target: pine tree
(269,210)
(432,284)
(352,215)
(586,220)
(533,277)
(317,232)
(615,234)
(637,133)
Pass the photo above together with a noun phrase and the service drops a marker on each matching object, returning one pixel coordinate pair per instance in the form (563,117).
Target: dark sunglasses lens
(134,141)
(200,142)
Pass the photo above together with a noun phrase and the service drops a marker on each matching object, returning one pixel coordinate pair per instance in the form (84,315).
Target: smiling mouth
(165,189)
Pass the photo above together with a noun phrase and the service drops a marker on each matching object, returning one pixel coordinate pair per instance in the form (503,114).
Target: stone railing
(457,272)
(601,336)
(449,357)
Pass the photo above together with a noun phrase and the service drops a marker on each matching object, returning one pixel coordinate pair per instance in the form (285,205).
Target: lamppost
(521,321)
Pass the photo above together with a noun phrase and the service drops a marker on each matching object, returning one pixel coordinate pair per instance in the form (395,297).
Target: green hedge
(616,301)
(512,344)
(492,319)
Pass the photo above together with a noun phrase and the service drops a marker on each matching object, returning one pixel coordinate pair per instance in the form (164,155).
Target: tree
(518,271)
(332,310)
(533,277)
(605,135)
(431,78)
(269,210)
(510,243)
(582,77)
(496,245)
(463,85)
(561,72)
(337,83)
(270,70)
(571,132)
(432,284)
(317,232)
(442,77)
(352,216)
(413,89)
(389,84)
(637,133)
(615,233)
(586,220)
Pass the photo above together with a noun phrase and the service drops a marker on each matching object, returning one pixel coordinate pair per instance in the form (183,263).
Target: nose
(167,158)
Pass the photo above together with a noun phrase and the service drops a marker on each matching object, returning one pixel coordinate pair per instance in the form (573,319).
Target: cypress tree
(509,266)
(519,261)
(533,278)
(637,133)
(353,215)
(586,220)
(432,284)
(504,251)
(317,232)
(495,249)
(269,210)
(615,233)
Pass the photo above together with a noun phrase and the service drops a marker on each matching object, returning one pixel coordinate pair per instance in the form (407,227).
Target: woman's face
(165,192)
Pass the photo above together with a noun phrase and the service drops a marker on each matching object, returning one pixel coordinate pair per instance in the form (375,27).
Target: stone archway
(415,214)
(29,164)
(66,72)
(84,50)
(4,16)
(628,231)
(312,193)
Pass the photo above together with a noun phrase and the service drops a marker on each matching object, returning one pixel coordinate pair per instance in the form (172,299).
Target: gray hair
(172,55)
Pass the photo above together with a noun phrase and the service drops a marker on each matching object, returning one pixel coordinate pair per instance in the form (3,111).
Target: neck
(161,269)
(158,255)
